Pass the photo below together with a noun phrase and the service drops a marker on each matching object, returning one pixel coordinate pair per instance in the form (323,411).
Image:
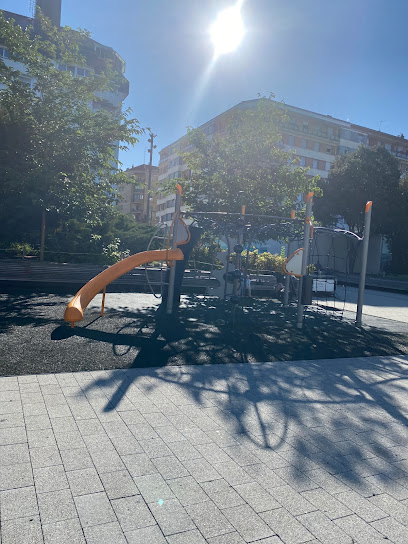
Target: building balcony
(400,155)
(311,132)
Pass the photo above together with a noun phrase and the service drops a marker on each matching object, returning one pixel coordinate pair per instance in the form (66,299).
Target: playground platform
(268,453)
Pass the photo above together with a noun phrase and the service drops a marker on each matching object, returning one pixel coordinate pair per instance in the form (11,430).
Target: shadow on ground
(322,418)
(133,335)
(346,417)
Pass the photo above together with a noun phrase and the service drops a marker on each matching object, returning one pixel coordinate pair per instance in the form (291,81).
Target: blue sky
(344,58)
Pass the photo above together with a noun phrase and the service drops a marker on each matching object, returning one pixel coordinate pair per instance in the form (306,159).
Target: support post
(42,245)
(238,256)
(287,277)
(103,301)
(172,275)
(305,258)
(364,256)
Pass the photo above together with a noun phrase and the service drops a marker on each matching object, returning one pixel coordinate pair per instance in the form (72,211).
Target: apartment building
(316,140)
(134,198)
(94,53)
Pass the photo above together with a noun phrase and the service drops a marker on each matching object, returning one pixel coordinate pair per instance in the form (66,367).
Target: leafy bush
(262,262)
(112,252)
(204,254)
(19,249)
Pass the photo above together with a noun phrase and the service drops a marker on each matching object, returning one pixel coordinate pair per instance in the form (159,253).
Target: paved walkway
(299,452)
(381,304)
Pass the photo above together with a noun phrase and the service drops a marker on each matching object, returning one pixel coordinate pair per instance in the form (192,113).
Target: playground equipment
(239,231)
(235,227)
(179,234)
(297,264)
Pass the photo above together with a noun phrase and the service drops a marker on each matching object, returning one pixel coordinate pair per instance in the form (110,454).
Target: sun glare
(227,31)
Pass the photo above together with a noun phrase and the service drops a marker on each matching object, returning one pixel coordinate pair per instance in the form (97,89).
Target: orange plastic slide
(75,309)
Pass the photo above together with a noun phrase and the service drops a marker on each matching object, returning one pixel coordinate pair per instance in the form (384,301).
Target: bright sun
(227,31)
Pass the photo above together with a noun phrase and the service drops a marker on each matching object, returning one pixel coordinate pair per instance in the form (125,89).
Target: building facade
(315,139)
(134,198)
(95,55)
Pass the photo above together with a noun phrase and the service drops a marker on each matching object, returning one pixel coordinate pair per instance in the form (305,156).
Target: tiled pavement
(299,452)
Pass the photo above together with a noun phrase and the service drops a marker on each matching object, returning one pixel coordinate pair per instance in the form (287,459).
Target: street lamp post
(149,182)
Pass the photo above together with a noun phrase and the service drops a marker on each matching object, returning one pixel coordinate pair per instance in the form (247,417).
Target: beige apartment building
(315,138)
(134,198)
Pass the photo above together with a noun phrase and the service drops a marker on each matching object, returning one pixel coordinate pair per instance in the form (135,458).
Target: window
(305,126)
(209,130)
(291,140)
(330,130)
(315,163)
(83,72)
(329,149)
(101,52)
(304,144)
(327,165)
(316,146)
(302,161)
(4,53)
(26,80)
(137,196)
(388,147)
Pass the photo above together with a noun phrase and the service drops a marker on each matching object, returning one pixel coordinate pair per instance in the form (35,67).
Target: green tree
(245,156)
(366,174)
(57,138)
(398,241)
(104,243)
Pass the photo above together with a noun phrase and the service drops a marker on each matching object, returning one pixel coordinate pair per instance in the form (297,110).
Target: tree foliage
(57,137)
(245,158)
(74,240)
(264,262)
(366,174)
(369,174)
(398,241)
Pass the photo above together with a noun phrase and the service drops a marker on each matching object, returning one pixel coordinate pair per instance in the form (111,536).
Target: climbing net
(244,230)
(332,258)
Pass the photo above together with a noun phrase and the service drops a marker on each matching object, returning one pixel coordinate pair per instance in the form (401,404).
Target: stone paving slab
(266,453)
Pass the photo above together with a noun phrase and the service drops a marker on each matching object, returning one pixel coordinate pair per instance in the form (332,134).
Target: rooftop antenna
(381,122)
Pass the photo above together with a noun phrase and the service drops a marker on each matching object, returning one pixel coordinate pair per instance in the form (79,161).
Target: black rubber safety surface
(34,339)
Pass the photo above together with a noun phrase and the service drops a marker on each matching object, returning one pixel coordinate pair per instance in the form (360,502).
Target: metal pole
(238,255)
(103,301)
(42,245)
(172,276)
(364,255)
(287,277)
(306,241)
(149,182)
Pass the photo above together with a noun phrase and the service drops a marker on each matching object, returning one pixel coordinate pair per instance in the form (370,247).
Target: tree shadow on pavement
(306,420)
(305,415)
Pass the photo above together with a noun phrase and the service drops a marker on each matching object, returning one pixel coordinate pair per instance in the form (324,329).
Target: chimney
(51,9)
